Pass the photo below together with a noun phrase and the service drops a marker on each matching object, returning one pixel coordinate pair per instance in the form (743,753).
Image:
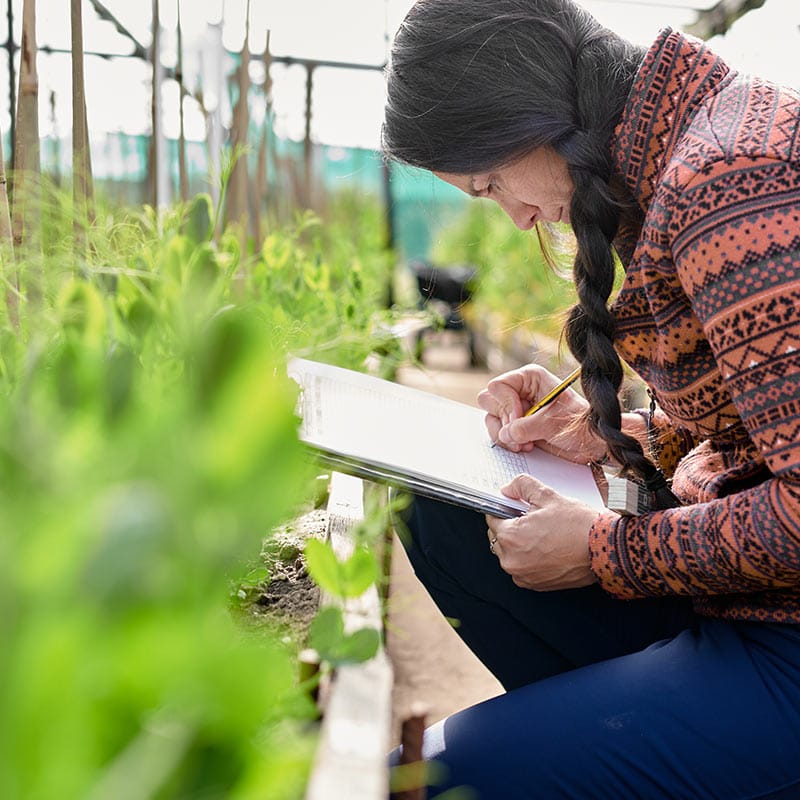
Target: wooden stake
(89,177)
(27,168)
(7,248)
(5,218)
(238,190)
(81,163)
(411,738)
(158,173)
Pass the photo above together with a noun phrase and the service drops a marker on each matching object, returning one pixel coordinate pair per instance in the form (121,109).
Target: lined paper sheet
(400,431)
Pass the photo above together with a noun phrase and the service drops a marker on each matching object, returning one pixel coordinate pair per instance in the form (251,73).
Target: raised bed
(357,712)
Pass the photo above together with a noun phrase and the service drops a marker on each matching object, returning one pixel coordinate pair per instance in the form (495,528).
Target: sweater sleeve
(736,245)
(666,445)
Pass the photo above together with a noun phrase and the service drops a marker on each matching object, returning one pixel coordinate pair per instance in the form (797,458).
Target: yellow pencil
(552,394)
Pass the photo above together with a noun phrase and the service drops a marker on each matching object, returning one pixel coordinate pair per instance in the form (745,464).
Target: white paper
(402,431)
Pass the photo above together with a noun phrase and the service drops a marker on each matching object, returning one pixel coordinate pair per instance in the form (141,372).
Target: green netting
(421,204)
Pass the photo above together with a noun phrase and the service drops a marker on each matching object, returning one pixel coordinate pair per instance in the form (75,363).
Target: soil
(287,599)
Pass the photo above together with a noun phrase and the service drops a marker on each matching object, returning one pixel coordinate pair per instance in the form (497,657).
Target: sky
(347,104)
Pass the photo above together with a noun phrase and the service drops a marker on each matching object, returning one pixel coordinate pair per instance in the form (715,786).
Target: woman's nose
(522,214)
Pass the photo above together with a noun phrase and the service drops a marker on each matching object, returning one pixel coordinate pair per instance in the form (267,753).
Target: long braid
(590,335)
(591,326)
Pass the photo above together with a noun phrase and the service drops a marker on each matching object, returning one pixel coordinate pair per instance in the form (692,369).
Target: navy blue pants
(604,698)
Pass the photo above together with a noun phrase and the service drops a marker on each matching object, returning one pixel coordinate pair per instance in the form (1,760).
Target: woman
(650,656)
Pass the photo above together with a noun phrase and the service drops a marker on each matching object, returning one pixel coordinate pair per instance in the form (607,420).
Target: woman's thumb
(517,432)
(524,487)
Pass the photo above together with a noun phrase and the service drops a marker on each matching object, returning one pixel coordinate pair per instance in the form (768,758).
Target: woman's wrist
(635,424)
(598,452)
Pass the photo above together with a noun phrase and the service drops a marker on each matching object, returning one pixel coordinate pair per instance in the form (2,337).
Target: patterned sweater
(709,316)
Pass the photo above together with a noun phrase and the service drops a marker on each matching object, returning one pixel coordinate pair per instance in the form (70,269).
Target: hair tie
(661,496)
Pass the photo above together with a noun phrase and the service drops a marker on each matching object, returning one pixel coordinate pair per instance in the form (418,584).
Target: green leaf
(140,317)
(359,572)
(198,225)
(348,578)
(328,638)
(202,270)
(323,566)
(359,646)
(326,631)
(121,367)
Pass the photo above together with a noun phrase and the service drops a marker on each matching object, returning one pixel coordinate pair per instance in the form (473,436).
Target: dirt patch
(278,592)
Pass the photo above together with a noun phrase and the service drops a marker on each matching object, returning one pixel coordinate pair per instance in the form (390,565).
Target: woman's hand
(548,547)
(559,427)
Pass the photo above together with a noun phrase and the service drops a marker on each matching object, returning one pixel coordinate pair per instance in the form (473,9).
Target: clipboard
(429,445)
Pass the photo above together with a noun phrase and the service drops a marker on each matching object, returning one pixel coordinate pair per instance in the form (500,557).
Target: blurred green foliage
(148,444)
(518,290)
(515,286)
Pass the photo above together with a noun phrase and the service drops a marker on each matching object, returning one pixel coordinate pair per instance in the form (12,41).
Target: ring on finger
(492,543)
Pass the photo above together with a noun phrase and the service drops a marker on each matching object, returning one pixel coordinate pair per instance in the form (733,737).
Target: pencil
(552,394)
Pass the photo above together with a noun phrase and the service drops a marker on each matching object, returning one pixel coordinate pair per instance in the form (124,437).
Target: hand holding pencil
(522,412)
(555,392)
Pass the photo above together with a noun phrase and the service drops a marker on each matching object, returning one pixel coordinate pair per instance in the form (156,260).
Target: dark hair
(476,84)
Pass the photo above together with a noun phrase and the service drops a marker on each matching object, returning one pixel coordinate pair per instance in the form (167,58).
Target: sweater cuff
(604,550)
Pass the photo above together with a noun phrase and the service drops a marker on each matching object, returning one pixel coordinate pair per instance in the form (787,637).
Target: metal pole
(307,146)
(12,79)
(388,199)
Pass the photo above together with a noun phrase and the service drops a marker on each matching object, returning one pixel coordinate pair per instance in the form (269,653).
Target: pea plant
(148,444)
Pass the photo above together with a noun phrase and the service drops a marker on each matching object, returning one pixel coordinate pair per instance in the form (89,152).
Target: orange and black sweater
(709,316)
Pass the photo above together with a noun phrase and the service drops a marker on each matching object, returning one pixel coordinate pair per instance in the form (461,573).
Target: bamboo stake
(159,170)
(183,175)
(81,175)
(89,177)
(5,217)
(238,189)
(27,168)
(211,78)
(7,247)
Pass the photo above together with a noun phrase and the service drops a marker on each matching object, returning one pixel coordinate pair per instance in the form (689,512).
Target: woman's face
(536,188)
